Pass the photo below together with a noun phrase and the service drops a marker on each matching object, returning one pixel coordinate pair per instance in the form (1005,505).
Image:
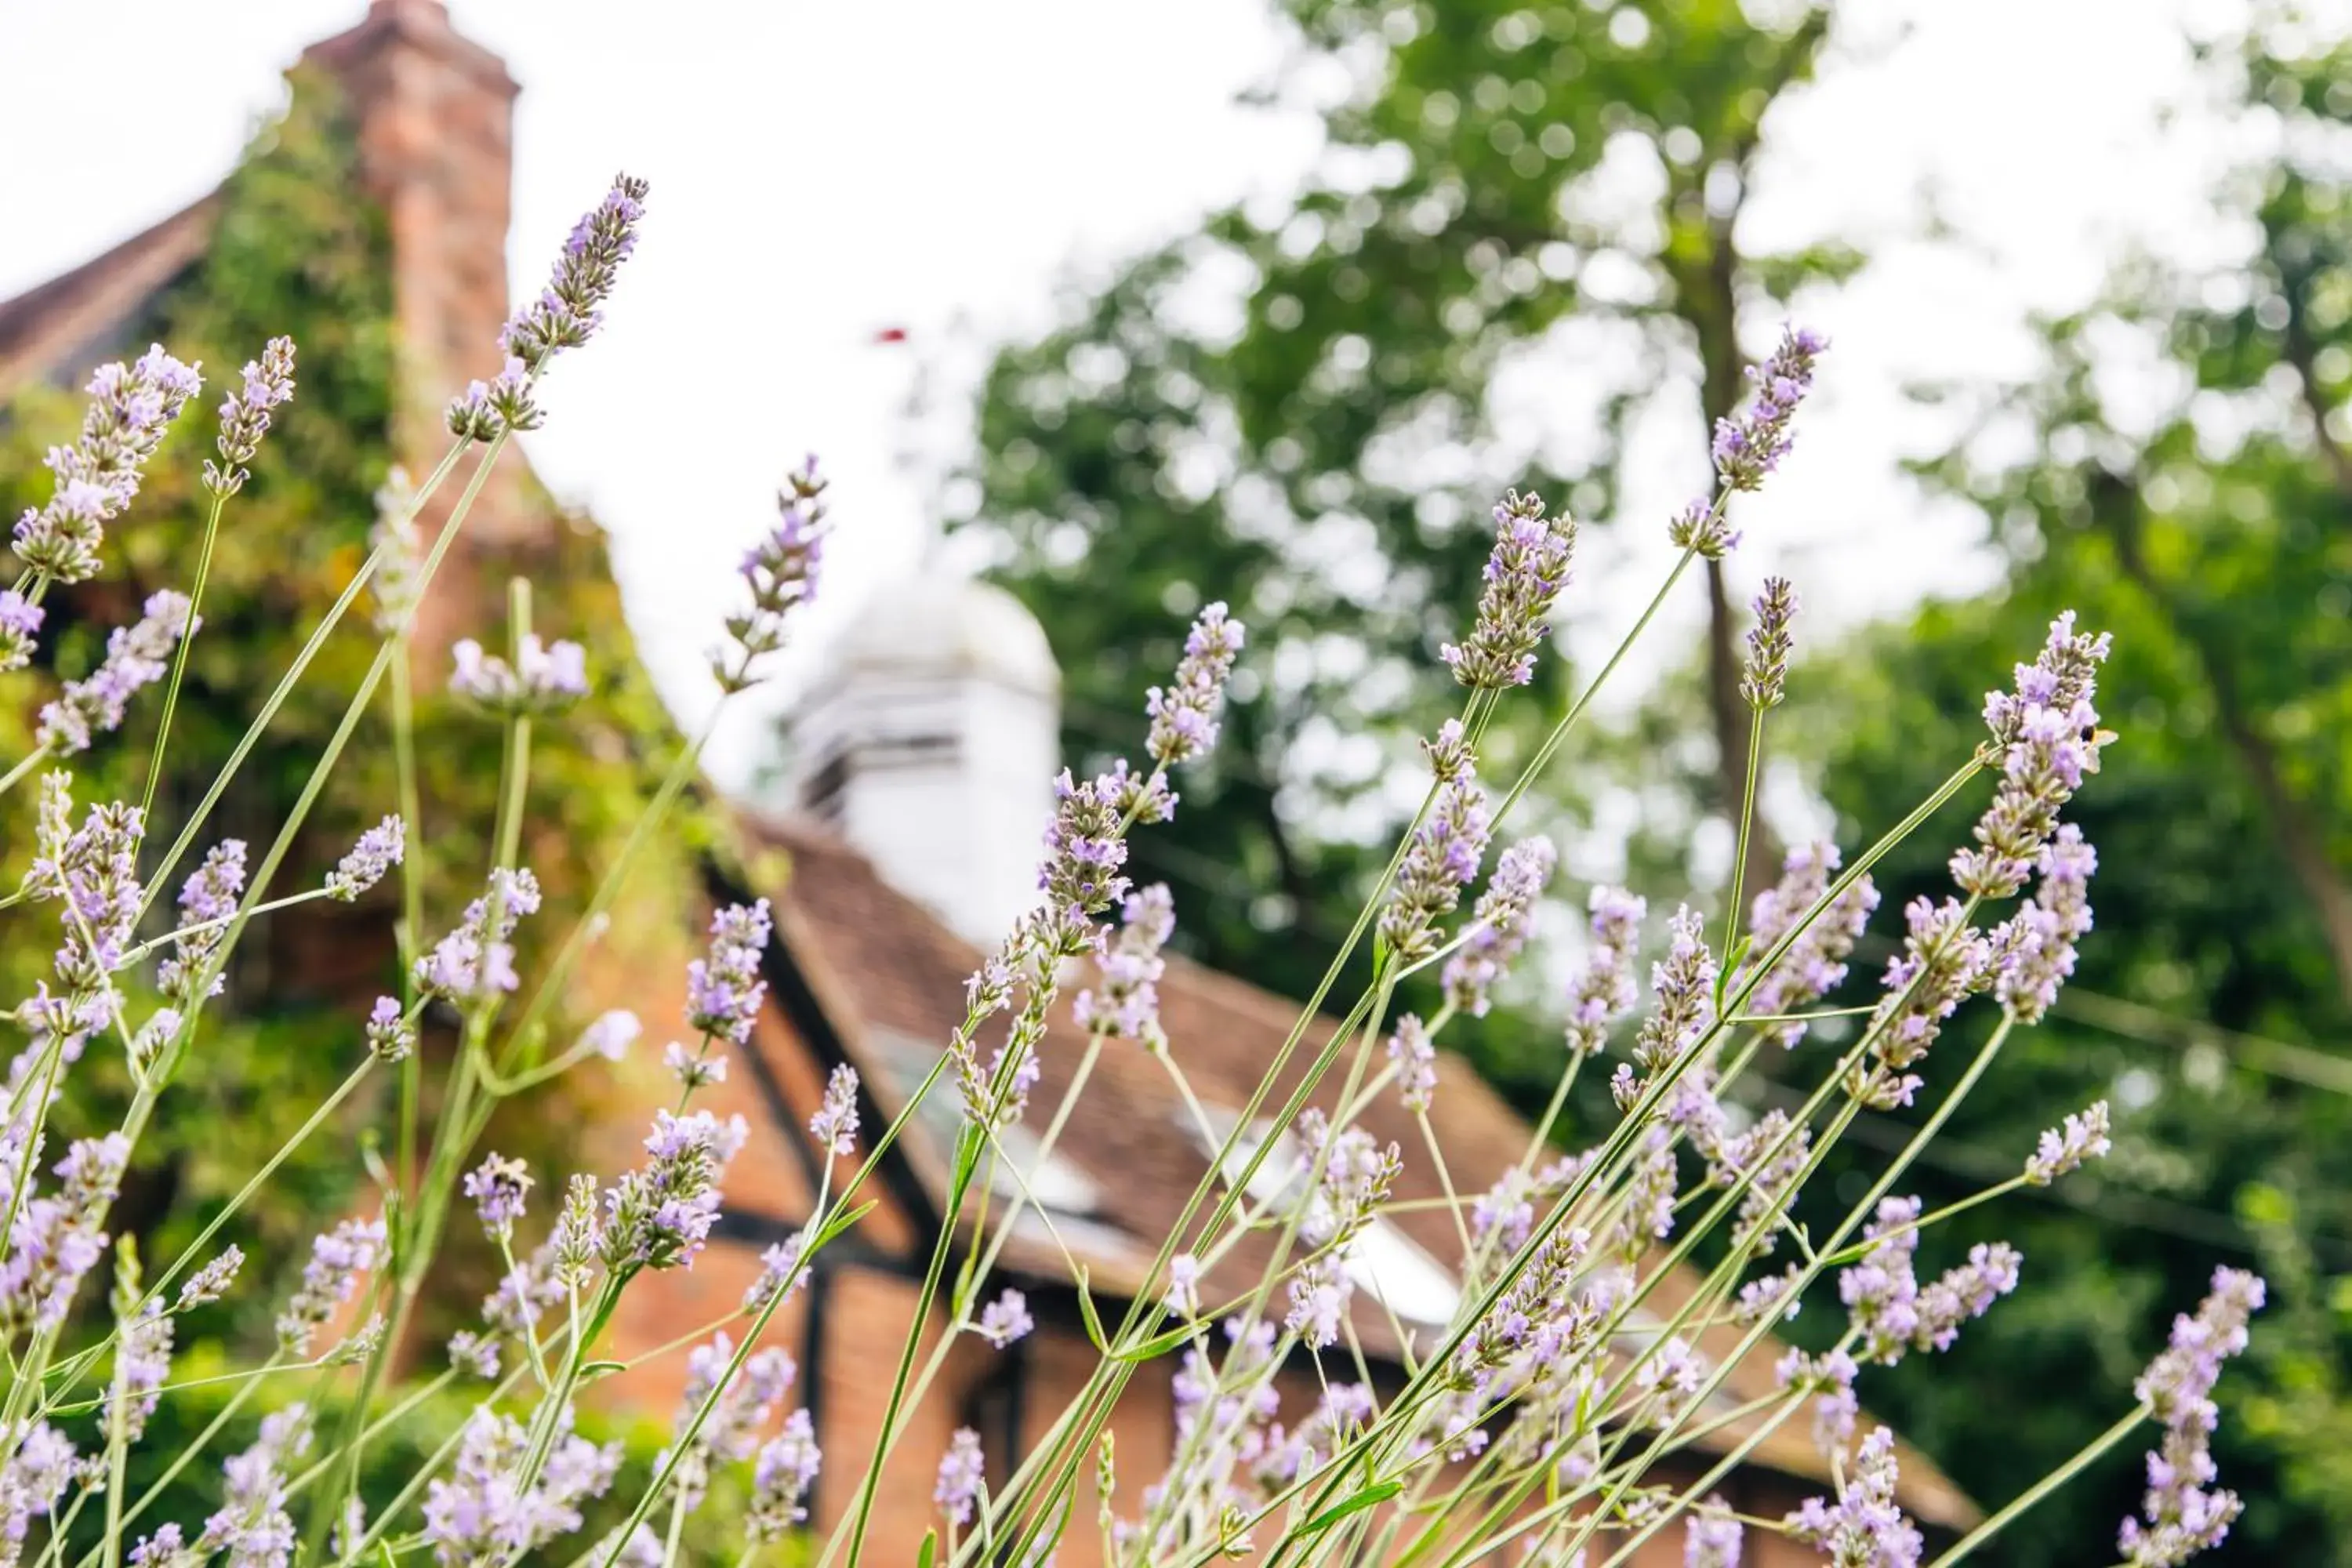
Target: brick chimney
(436,121)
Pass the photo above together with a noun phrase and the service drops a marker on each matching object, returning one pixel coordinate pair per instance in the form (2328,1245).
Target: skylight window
(1383,1260)
(1055,1184)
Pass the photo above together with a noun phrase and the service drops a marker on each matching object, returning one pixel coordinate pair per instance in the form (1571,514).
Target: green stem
(1747,828)
(180,658)
(33,759)
(2041,1488)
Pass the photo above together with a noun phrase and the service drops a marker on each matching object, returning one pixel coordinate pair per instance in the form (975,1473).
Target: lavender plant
(1539,1422)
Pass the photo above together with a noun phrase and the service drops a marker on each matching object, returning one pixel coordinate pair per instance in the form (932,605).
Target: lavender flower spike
(379,849)
(337,1257)
(544,679)
(782,573)
(1184,716)
(498,1186)
(2083,1137)
(1863,1526)
(208,896)
(1438,864)
(244,416)
(781,1476)
(834,1125)
(136,656)
(1603,990)
(2179,1517)
(20,622)
(1525,575)
(723,988)
(2041,954)
(1500,923)
(962,1476)
(1126,1004)
(1749,446)
(131,408)
(1004,1320)
(570,309)
(1766,668)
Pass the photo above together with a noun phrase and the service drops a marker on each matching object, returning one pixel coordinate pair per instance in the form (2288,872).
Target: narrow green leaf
(1159,1344)
(930,1551)
(841,1222)
(1371,1496)
(1086,1312)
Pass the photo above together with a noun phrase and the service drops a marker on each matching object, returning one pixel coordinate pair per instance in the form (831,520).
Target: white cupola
(930,739)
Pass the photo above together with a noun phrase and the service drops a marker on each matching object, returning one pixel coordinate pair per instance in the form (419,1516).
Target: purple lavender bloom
(1712,1537)
(1442,859)
(58,1238)
(1085,848)
(479,1514)
(693,1069)
(137,655)
(131,408)
(390,1034)
(659,1216)
(1320,1292)
(211,1282)
(1766,668)
(1125,1005)
(1681,986)
(729,1434)
(2064,1149)
(1183,1294)
(780,1270)
(32,1482)
(498,1186)
(337,1257)
(1004,1320)
(252,1526)
(570,309)
(477,1355)
(1864,1527)
(476,960)
(2063,673)
(1416,1056)
(1944,961)
(724,988)
(1524,576)
(782,573)
(1966,1292)
(612,1034)
(545,679)
(167,1548)
(20,623)
(781,1478)
(2180,1517)
(834,1125)
(379,849)
(1814,965)
(1749,446)
(1500,923)
(208,899)
(244,416)
(963,1475)
(142,1360)
(94,868)
(1701,527)
(1603,990)
(1184,716)
(578,1238)
(400,554)
(1831,1377)
(2040,956)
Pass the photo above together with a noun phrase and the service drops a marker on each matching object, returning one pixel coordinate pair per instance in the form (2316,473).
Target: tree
(1323,449)
(2209,536)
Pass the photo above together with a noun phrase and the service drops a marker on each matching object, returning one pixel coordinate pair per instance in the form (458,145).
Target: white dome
(932,625)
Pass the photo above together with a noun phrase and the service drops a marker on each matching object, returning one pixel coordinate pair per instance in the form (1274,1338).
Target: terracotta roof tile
(44,330)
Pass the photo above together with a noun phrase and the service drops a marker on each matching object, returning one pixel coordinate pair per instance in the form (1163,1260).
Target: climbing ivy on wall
(298,250)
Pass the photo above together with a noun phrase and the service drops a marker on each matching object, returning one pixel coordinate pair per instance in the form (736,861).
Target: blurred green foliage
(297,249)
(1324,457)
(1296,411)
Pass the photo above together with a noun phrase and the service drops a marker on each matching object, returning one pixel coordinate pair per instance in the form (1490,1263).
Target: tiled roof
(64,321)
(889,979)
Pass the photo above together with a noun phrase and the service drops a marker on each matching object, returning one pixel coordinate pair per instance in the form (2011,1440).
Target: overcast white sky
(823,170)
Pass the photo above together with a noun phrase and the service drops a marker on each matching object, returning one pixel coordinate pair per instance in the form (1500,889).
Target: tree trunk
(2294,831)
